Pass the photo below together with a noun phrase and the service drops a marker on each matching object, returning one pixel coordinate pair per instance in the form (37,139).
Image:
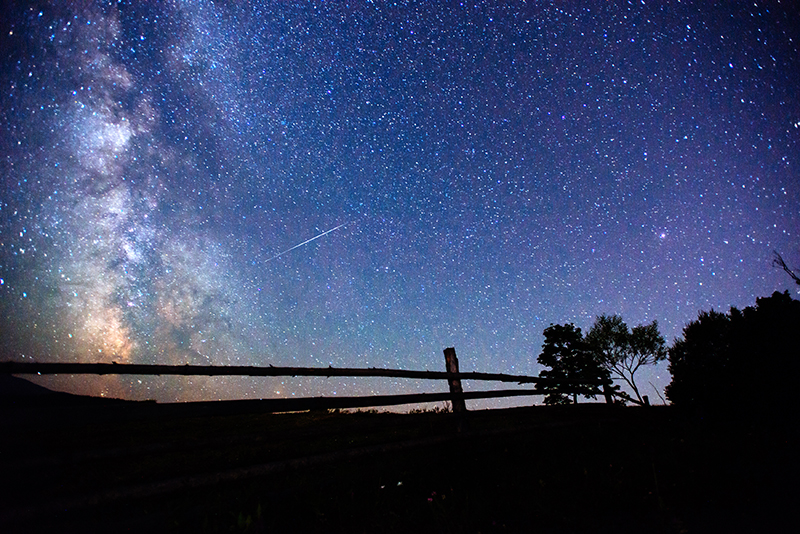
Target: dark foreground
(130,467)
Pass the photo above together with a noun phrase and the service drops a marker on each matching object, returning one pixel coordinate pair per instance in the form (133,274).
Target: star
(503,166)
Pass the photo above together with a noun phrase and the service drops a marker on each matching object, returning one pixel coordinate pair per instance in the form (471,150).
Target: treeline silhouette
(736,363)
(744,362)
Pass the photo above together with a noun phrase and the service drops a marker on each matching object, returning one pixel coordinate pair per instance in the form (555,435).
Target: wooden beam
(21,368)
(329,403)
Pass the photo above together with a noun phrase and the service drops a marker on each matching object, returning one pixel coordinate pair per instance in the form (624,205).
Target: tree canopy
(622,351)
(741,360)
(566,354)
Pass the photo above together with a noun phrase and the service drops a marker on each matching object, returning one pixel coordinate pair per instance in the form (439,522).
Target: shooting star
(305,242)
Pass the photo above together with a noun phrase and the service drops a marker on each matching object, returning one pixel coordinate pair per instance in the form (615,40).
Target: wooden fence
(455,395)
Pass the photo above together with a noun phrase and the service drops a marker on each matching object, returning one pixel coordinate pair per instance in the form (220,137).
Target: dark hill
(584,468)
(15,387)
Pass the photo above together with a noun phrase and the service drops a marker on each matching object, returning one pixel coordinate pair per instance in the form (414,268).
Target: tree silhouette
(700,362)
(566,353)
(622,351)
(739,362)
(777,261)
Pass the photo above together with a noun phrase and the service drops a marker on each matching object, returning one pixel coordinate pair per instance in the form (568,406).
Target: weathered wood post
(607,393)
(451,363)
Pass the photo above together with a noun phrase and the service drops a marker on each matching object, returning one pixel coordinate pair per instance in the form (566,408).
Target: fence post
(607,393)
(451,363)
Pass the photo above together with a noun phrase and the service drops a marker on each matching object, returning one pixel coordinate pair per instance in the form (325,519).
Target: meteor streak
(305,242)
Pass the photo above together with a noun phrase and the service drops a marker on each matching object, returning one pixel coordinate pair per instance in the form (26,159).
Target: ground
(588,468)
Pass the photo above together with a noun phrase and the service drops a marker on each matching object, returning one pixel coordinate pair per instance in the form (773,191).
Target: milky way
(489,169)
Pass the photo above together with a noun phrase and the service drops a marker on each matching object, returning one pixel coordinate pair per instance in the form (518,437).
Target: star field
(488,168)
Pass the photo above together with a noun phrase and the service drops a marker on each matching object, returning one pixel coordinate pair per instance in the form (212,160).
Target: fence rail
(241,370)
(452,376)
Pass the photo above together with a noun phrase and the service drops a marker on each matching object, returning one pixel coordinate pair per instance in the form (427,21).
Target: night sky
(482,170)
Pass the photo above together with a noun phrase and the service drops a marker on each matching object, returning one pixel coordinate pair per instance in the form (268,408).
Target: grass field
(137,467)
